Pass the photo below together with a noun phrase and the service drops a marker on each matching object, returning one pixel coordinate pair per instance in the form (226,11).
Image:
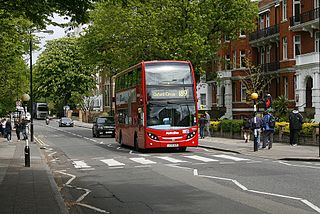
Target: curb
(301,159)
(219,149)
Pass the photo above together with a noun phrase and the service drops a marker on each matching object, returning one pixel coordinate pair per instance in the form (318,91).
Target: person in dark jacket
(268,130)
(8,130)
(295,125)
(202,124)
(256,127)
(18,129)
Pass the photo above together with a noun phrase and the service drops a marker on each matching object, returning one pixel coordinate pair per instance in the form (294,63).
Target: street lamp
(31,92)
(254,97)
(25,98)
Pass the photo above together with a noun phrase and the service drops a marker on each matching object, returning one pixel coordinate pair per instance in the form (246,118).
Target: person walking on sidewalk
(3,127)
(268,128)
(202,123)
(18,129)
(295,125)
(8,130)
(246,129)
(208,123)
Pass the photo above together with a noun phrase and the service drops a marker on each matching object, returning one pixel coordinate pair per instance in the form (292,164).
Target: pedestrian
(3,127)
(246,129)
(268,129)
(256,128)
(24,129)
(8,130)
(295,125)
(208,123)
(202,123)
(18,129)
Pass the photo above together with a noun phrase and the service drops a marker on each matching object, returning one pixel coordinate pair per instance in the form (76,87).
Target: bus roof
(148,62)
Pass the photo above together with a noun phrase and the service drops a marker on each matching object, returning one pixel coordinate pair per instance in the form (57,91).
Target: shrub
(231,125)
(307,129)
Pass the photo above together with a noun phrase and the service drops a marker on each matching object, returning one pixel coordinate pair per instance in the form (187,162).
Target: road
(95,175)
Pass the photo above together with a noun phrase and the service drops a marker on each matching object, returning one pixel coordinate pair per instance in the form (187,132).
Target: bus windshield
(170,73)
(42,108)
(171,116)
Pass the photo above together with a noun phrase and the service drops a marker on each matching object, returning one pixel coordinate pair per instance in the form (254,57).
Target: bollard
(27,155)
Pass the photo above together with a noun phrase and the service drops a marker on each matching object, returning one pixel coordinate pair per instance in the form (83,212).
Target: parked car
(103,126)
(65,121)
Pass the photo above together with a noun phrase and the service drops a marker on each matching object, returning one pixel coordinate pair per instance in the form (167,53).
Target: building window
(317,41)
(203,99)
(261,22)
(296,11)
(227,65)
(242,34)
(316,4)
(268,55)
(267,20)
(262,55)
(226,38)
(243,92)
(285,85)
(284,10)
(297,45)
(285,47)
(242,59)
(234,59)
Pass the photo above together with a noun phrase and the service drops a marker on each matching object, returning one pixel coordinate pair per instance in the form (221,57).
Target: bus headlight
(153,136)
(191,135)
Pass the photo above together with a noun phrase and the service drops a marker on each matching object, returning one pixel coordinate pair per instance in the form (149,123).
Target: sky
(58,33)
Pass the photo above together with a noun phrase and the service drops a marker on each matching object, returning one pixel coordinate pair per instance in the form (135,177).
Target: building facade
(285,44)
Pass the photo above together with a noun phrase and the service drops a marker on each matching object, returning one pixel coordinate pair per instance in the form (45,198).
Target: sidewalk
(25,190)
(279,151)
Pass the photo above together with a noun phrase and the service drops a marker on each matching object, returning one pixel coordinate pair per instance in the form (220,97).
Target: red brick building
(286,43)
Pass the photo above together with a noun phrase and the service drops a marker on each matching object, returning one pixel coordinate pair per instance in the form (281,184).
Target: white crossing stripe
(142,160)
(172,160)
(204,159)
(80,164)
(231,157)
(112,162)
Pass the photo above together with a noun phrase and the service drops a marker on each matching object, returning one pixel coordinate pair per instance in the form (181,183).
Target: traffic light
(267,102)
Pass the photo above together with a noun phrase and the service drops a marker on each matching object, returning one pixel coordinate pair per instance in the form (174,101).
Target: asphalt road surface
(96,175)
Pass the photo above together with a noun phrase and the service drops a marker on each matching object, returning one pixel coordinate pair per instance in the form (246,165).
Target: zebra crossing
(122,162)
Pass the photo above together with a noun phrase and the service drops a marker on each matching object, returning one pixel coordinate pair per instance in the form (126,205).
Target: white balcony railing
(308,58)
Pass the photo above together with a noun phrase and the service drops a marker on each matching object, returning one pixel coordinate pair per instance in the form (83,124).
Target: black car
(103,126)
(65,121)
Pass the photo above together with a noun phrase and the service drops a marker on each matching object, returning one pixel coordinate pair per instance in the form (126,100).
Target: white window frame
(262,55)
(267,20)
(284,10)
(316,4)
(243,92)
(286,86)
(268,55)
(261,22)
(227,65)
(203,99)
(296,45)
(226,38)
(317,41)
(242,58)
(296,3)
(284,48)
(242,35)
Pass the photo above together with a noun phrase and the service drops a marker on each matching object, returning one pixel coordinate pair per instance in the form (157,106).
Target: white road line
(172,160)
(70,180)
(306,202)
(204,159)
(93,208)
(296,165)
(80,164)
(112,162)
(231,157)
(142,161)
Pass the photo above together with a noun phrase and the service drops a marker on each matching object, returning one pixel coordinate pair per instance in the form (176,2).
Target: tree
(126,32)
(61,76)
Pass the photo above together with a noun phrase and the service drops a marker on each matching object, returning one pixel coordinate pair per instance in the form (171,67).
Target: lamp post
(25,98)
(31,92)
(254,97)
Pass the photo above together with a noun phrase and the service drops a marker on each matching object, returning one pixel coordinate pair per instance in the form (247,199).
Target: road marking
(52,154)
(296,165)
(306,202)
(196,157)
(112,162)
(231,157)
(142,161)
(80,164)
(172,160)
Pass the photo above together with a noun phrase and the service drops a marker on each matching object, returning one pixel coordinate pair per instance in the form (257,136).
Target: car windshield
(105,121)
(65,119)
(171,116)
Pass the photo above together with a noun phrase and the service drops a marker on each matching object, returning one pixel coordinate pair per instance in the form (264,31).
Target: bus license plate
(172,145)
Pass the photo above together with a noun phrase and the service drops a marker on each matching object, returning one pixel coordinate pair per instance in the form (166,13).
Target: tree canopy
(60,74)
(123,33)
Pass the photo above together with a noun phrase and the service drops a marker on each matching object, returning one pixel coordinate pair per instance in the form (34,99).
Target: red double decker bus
(156,105)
